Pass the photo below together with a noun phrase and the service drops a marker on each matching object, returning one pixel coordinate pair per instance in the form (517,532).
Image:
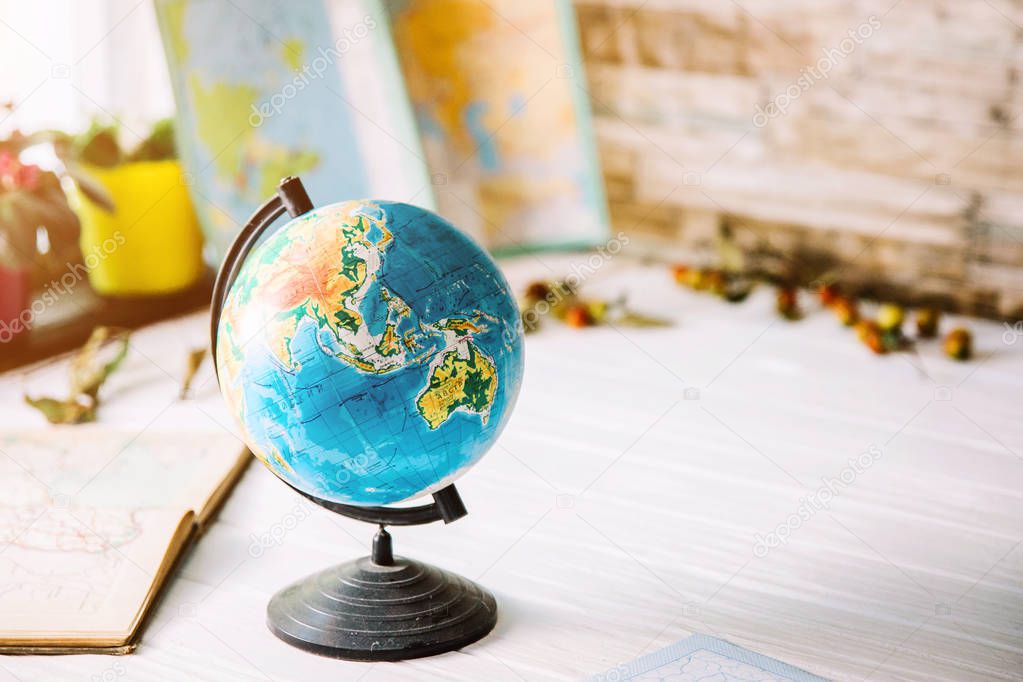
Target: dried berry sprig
(732,286)
(561,301)
(882,335)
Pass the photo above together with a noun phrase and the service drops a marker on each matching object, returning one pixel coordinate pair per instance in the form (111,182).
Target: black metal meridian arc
(291,198)
(447,506)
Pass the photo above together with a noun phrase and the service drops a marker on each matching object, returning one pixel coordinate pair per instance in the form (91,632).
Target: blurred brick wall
(886,134)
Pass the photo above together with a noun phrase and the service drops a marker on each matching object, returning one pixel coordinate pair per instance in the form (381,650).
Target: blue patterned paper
(705,659)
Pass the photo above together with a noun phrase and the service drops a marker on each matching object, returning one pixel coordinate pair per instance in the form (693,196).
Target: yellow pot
(151,243)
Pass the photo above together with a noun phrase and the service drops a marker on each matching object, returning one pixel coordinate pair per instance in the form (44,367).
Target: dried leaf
(64,411)
(195,358)
(88,373)
(631,318)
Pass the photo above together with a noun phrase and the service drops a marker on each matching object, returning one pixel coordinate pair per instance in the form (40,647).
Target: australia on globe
(370,352)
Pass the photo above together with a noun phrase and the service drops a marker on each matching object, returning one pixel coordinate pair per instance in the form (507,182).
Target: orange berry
(865,328)
(829,293)
(875,342)
(578,316)
(871,335)
(846,310)
(959,344)
(680,273)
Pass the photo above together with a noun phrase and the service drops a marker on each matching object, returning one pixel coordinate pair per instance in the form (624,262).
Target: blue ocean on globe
(370,352)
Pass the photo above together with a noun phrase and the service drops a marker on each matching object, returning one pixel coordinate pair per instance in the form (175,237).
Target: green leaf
(159,146)
(98,146)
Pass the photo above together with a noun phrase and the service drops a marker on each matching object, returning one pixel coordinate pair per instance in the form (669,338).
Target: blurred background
(884,134)
(875,142)
(755,237)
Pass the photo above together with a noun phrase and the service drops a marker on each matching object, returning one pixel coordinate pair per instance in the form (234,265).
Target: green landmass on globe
(459,383)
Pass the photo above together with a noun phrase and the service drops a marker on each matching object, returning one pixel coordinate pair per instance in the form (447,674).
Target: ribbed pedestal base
(364,611)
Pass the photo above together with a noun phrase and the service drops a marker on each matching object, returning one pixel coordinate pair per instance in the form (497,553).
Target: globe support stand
(379,607)
(384,607)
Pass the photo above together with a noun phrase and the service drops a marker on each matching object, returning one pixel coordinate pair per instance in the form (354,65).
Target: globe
(370,352)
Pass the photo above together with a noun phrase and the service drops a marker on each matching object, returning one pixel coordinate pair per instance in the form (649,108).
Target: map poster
(270,89)
(499,95)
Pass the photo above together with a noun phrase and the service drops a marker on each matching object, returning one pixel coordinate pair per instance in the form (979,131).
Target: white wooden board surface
(618,512)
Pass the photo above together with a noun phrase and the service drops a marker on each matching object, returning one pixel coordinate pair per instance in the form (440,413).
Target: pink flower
(28,177)
(15,175)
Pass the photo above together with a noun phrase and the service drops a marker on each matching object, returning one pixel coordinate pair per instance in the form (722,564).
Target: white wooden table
(619,512)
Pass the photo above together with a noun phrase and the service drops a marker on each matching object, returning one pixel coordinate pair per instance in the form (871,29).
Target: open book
(92,522)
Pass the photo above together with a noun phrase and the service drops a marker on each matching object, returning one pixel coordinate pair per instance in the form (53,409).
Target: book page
(91,519)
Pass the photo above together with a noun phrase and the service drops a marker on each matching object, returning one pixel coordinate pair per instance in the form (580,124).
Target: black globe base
(382,608)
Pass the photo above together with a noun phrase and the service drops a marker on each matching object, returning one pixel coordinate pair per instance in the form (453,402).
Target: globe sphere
(370,352)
